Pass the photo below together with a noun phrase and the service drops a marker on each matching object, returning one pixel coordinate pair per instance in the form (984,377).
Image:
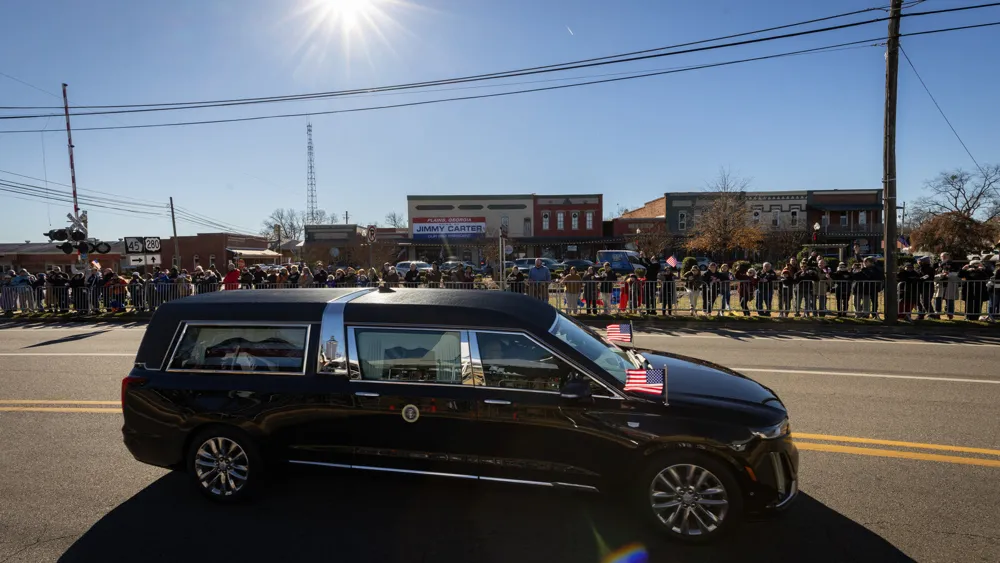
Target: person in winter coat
(434,276)
(993,289)
(975,278)
(294,278)
(306,279)
(631,296)
(909,284)
(786,288)
(693,283)
(59,284)
(711,284)
(805,285)
(38,284)
(78,289)
(652,267)
(766,284)
(925,289)
(746,286)
(668,290)
(320,276)
(136,292)
(823,286)
(840,281)
(573,283)
(589,283)
(609,280)
(389,275)
(246,278)
(945,291)
(232,279)
(412,277)
(515,280)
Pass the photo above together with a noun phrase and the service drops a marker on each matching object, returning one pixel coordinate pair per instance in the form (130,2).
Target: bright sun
(344,28)
(348,14)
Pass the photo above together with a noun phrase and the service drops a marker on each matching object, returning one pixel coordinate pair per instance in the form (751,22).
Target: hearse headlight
(772,432)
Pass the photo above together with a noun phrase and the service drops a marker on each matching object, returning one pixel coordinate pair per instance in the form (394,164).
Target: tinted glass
(591,344)
(241,348)
(426,356)
(516,362)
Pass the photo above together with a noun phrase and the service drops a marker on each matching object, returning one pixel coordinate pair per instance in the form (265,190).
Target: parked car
(484,385)
(580,265)
(403,267)
(453,264)
(622,261)
(525,264)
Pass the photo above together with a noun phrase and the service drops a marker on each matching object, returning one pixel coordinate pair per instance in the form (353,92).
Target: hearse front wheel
(224,464)
(690,496)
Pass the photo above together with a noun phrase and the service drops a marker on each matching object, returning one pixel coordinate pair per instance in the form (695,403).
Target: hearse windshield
(595,347)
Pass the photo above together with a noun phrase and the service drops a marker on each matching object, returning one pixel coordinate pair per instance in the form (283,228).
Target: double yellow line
(99,407)
(904,449)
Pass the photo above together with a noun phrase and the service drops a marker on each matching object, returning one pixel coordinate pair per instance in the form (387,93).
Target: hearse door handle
(365,394)
(496,402)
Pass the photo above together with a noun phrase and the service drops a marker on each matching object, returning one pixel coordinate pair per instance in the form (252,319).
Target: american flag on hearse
(620,332)
(650,380)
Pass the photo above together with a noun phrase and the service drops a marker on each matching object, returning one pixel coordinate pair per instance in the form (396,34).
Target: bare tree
(396,220)
(324,217)
(727,224)
(290,220)
(972,194)
(620,211)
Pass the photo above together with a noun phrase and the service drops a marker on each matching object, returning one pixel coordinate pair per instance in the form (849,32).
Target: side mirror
(576,388)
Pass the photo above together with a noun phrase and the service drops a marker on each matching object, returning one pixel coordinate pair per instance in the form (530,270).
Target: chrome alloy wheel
(690,500)
(221,465)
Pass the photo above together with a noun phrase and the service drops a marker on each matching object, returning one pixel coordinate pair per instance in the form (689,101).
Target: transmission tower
(310,178)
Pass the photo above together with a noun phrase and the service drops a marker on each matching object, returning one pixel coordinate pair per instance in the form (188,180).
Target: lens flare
(632,553)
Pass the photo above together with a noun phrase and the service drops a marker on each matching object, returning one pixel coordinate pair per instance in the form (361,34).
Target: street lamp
(816,228)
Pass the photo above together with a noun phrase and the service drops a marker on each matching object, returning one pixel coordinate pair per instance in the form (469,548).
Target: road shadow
(70,338)
(343,516)
(830,333)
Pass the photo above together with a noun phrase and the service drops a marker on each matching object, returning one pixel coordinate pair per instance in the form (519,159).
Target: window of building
(775,218)
(545,221)
(196,259)
(862,218)
(682,218)
(498,206)
(795,218)
(470,206)
(414,356)
(826,219)
(560,220)
(514,361)
(527,227)
(273,349)
(505,220)
(211,260)
(756,215)
(574,220)
(435,207)
(590,220)
(843,219)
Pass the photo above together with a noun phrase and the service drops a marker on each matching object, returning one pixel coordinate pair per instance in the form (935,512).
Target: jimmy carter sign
(429,228)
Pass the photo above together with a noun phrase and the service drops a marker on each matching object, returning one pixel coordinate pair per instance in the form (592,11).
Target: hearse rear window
(414,356)
(241,349)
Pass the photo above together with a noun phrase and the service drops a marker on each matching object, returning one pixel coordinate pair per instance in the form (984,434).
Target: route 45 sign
(142,245)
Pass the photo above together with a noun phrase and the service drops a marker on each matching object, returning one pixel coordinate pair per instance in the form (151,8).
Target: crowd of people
(801,287)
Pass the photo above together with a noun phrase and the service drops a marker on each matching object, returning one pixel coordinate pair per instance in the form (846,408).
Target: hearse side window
(413,356)
(514,361)
(241,349)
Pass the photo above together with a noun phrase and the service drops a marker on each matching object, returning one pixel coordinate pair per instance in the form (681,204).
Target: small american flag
(672,262)
(646,380)
(620,333)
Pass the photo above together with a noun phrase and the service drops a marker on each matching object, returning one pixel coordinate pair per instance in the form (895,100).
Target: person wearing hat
(786,287)
(58,282)
(841,282)
(909,283)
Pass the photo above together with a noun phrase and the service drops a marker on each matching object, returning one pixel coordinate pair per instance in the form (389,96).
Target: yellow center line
(812,446)
(40,402)
(898,444)
(59,409)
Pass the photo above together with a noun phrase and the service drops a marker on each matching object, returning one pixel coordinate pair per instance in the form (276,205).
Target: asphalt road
(900,460)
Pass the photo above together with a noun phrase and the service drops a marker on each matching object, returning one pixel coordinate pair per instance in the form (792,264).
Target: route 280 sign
(142,245)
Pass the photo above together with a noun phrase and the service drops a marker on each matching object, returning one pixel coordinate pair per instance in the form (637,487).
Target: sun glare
(343,28)
(347,13)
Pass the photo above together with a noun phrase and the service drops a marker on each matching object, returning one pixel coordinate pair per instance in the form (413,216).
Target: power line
(85,198)
(89,191)
(4,187)
(584,63)
(209,222)
(448,80)
(42,90)
(941,111)
(476,97)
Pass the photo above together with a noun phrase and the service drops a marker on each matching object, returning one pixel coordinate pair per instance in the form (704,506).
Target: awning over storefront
(845,207)
(257,253)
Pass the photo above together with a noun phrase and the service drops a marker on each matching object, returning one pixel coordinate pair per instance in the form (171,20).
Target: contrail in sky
(570,30)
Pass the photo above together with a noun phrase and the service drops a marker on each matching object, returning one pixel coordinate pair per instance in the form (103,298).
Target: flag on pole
(652,381)
(672,262)
(620,332)
(902,242)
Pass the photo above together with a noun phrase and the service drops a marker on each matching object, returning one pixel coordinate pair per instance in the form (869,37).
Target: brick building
(655,208)
(42,256)
(847,218)
(206,249)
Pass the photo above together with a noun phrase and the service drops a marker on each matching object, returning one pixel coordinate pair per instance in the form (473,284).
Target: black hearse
(484,385)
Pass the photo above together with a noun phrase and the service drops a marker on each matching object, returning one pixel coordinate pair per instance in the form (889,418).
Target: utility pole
(347,218)
(889,163)
(69,140)
(177,244)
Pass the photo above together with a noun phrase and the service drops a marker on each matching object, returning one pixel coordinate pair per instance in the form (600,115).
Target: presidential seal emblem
(411,413)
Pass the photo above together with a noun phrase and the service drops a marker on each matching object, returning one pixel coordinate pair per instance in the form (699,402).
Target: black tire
(236,470)
(670,520)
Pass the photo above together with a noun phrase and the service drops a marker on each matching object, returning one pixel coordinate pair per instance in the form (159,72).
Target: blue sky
(807,122)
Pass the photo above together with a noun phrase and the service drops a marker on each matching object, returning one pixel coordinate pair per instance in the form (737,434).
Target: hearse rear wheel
(224,464)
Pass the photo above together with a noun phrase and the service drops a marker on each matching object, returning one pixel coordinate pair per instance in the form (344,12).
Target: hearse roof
(451,307)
